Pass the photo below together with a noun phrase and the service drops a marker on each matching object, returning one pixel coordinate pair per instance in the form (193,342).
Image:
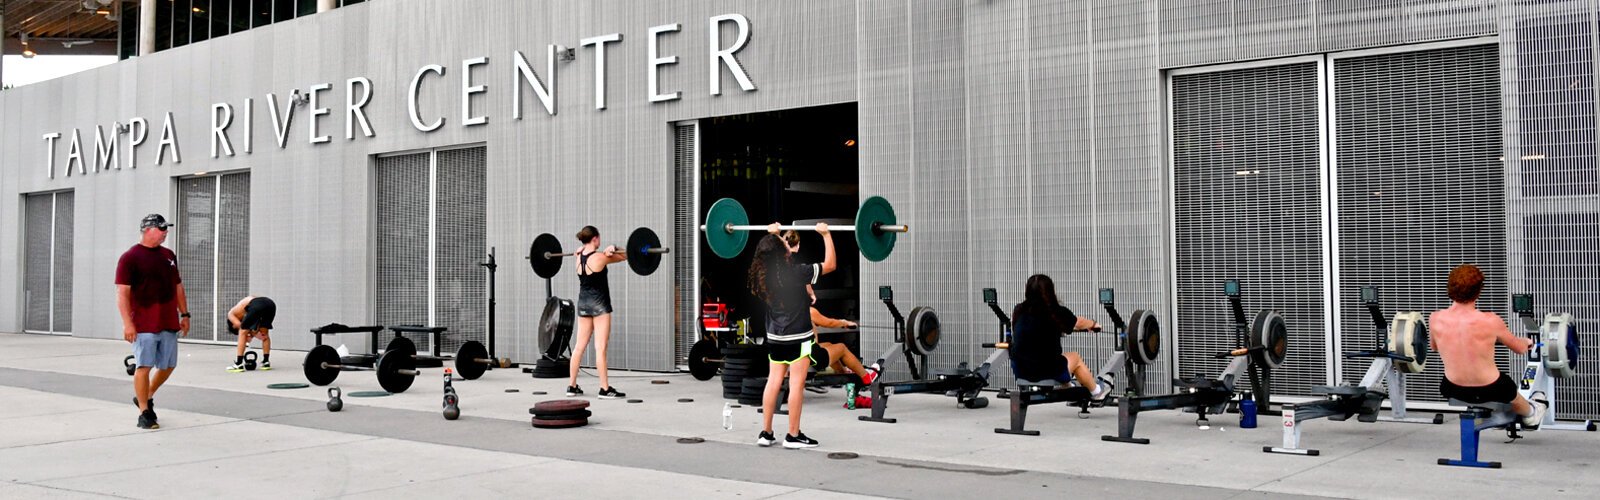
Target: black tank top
(591,281)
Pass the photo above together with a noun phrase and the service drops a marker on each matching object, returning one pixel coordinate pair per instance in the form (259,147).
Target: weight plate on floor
(700,355)
(560,424)
(564,415)
(560,405)
(288,385)
(390,367)
(315,372)
(466,360)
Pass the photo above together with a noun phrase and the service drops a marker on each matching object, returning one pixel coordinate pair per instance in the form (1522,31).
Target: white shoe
(1102,387)
(1535,418)
(235,368)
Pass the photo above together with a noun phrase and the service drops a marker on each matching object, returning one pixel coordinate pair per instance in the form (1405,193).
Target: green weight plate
(288,385)
(467,357)
(542,244)
(874,245)
(726,244)
(369,394)
(640,261)
(315,372)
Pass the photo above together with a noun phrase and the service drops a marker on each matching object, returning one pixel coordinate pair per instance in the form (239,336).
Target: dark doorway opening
(789,166)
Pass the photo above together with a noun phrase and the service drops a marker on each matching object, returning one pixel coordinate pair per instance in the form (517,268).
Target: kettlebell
(250,360)
(128,363)
(452,403)
(334,403)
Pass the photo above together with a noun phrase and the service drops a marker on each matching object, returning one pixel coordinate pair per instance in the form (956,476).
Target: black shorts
(259,314)
(1503,390)
(592,302)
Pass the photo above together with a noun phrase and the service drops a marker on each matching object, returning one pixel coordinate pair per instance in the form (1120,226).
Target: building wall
(1015,137)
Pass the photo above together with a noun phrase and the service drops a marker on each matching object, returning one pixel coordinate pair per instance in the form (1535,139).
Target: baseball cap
(155,221)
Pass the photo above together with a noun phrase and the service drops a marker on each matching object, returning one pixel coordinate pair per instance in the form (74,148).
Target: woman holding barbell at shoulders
(780,283)
(1037,325)
(593,308)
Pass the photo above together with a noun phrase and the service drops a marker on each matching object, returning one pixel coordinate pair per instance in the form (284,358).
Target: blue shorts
(158,350)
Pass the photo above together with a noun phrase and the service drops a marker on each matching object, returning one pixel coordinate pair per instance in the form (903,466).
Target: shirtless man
(1465,339)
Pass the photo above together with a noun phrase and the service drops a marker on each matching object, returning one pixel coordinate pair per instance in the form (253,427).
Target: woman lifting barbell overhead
(1037,326)
(594,309)
(780,283)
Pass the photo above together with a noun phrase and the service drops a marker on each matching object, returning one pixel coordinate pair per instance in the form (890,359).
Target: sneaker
(765,439)
(1533,420)
(869,377)
(265,365)
(817,389)
(152,409)
(147,420)
(235,368)
(797,442)
(611,393)
(1102,387)
(573,391)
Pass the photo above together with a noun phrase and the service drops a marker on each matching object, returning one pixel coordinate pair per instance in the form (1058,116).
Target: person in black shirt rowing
(1037,326)
(780,283)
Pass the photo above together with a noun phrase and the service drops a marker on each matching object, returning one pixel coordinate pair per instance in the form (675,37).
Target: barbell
(396,369)
(644,252)
(727,228)
(471,359)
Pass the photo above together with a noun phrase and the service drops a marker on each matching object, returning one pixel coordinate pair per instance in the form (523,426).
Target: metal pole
(147,27)
(2,43)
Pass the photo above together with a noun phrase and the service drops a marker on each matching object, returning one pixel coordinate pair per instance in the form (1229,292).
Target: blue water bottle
(1247,412)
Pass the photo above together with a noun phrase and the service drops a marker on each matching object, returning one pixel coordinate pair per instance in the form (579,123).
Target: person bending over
(252,318)
(1037,325)
(1465,339)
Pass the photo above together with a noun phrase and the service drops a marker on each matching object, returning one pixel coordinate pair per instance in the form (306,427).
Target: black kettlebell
(250,360)
(128,363)
(334,403)
(452,408)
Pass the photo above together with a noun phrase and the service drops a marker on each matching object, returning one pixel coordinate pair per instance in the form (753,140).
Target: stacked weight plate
(560,413)
(740,361)
(548,368)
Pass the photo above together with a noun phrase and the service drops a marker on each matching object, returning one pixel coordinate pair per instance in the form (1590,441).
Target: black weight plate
(642,262)
(555,326)
(700,359)
(559,405)
(467,357)
(315,372)
(401,344)
(389,366)
(1144,335)
(564,415)
(922,330)
(560,424)
(1271,332)
(542,244)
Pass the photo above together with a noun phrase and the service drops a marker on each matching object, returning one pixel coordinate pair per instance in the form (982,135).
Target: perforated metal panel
(1420,188)
(686,241)
(402,217)
(1246,186)
(1554,236)
(37,260)
(462,302)
(61,313)
(196,247)
(233,247)
(430,221)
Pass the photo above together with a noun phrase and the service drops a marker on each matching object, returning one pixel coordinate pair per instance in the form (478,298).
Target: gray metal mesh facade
(1246,159)
(1547,57)
(461,285)
(196,247)
(401,218)
(233,247)
(433,198)
(61,282)
(685,240)
(1420,188)
(39,213)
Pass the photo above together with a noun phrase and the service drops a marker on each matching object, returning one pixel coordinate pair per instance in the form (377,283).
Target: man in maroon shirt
(154,312)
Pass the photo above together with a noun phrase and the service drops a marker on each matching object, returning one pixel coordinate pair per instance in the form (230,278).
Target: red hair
(1466,282)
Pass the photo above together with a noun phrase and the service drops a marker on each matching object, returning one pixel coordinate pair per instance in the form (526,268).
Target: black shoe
(796,442)
(765,439)
(152,409)
(147,420)
(574,391)
(611,393)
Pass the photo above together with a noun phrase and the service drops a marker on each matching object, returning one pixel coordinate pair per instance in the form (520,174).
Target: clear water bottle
(727,416)
(1247,412)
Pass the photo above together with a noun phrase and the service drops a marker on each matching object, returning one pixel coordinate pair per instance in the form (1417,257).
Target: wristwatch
(184,315)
